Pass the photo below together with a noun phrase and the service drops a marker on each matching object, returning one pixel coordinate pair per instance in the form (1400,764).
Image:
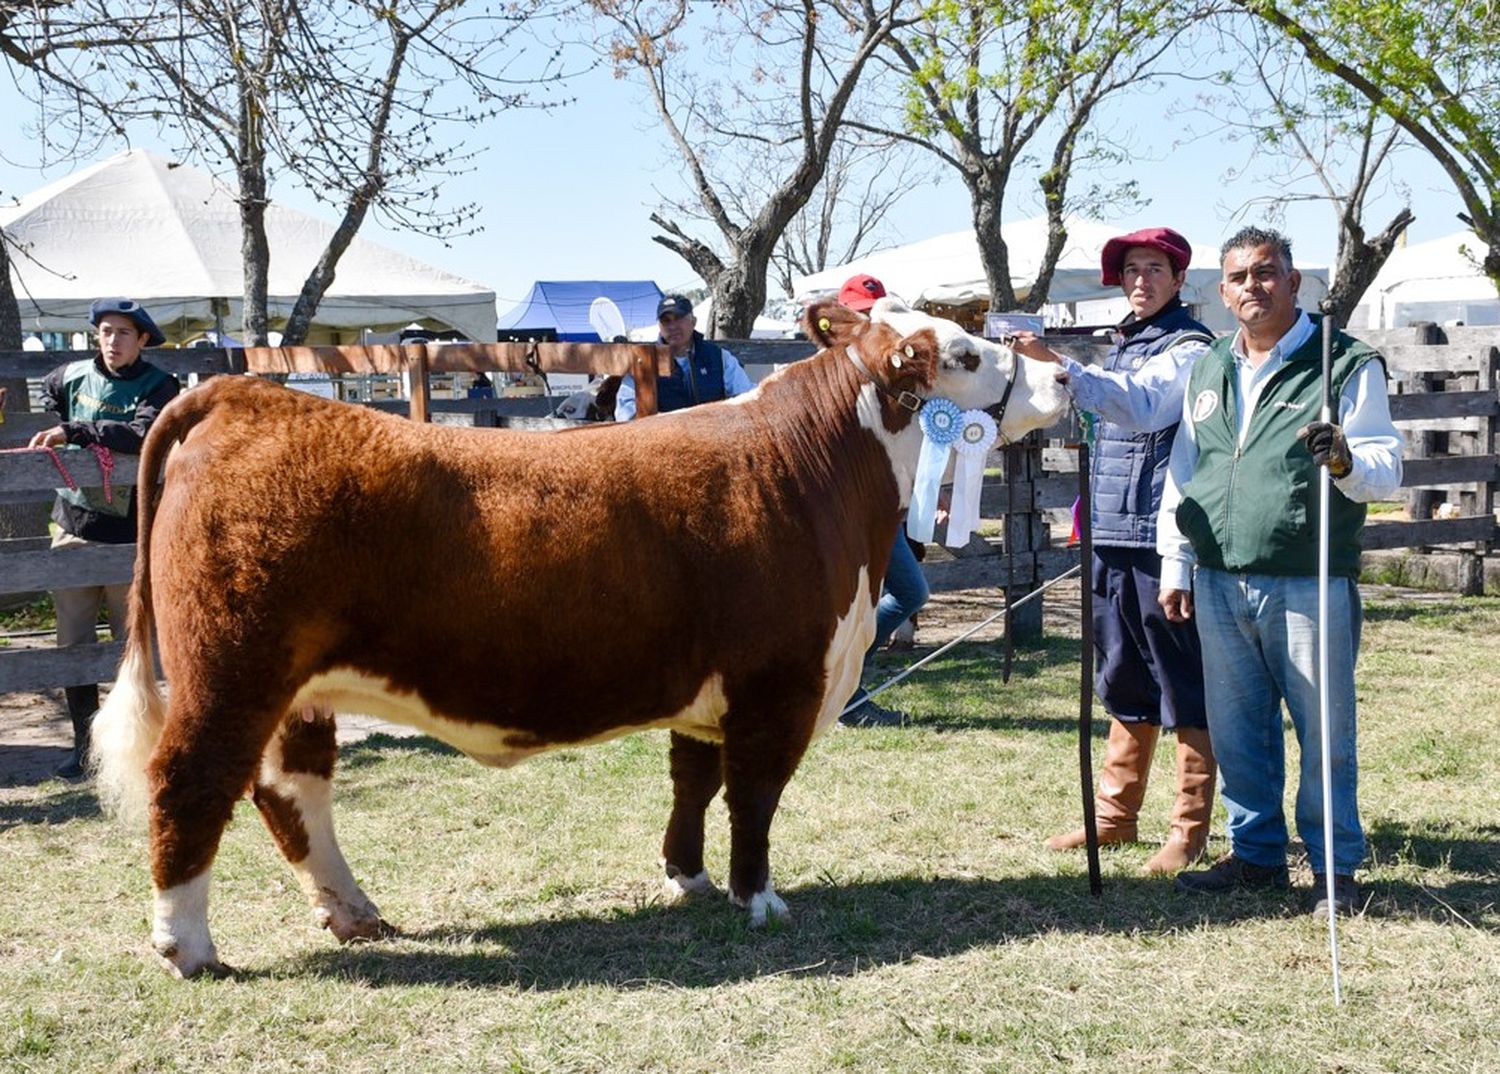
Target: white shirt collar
(1298,334)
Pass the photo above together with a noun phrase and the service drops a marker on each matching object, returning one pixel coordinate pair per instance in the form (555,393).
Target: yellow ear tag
(895,361)
(910,353)
(824,324)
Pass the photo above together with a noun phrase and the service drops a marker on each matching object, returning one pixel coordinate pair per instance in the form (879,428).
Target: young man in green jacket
(110,401)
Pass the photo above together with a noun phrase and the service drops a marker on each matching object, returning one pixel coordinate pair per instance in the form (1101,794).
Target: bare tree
(804,60)
(991,82)
(861,185)
(348,98)
(1315,141)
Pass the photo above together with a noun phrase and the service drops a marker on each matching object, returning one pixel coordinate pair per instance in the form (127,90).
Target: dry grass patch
(931,930)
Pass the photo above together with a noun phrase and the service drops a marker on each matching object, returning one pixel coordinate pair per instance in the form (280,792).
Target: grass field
(930,932)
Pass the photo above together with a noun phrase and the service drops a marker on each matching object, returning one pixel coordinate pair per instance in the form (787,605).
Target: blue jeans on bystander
(1259,635)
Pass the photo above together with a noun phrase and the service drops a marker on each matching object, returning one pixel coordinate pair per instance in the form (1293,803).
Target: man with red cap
(1149,673)
(905,585)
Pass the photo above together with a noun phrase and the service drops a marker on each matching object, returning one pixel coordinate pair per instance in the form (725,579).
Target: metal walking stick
(1325,486)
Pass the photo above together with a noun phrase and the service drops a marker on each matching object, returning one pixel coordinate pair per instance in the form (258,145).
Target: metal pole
(1086,673)
(1325,486)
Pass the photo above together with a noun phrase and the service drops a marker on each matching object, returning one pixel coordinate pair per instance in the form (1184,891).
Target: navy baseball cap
(128,308)
(676,305)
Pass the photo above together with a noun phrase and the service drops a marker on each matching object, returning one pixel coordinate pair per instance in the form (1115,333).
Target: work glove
(1325,442)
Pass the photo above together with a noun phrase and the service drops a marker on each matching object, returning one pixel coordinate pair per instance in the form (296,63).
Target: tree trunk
(16,519)
(1359,262)
(256,250)
(739,294)
(987,197)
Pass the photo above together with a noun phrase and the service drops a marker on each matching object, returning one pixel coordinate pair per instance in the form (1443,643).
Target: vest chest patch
(1206,402)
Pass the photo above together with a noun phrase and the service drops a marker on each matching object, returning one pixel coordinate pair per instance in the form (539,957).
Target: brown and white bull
(306,557)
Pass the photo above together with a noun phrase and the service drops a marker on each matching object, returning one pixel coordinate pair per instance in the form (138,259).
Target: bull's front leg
(697,775)
(294,793)
(760,754)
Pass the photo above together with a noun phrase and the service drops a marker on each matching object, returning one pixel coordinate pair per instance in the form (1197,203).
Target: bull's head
(980,374)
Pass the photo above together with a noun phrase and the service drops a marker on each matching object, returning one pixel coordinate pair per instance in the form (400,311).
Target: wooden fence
(1446,399)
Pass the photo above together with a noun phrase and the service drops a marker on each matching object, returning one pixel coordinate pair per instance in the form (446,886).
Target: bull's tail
(128,726)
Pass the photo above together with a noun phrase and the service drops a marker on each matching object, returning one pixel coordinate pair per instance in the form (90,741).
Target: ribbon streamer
(977,434)
(941,421)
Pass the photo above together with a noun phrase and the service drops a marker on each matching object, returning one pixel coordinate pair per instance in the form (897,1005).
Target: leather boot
(82,703)
(1122,786)
(1188,837)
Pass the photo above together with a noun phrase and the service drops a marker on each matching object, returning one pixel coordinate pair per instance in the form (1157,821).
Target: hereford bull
(306,557)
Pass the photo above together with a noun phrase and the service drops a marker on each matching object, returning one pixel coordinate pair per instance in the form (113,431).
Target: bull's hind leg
(761,751)
(697,774)
(203,764)
(294,793)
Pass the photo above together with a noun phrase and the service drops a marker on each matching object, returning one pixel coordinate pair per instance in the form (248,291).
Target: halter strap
(904,399)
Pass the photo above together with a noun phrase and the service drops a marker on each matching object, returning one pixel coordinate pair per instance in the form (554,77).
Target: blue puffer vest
(676,391)
(1130,468)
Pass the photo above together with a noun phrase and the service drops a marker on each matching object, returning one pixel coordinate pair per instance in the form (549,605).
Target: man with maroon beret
(1149,672)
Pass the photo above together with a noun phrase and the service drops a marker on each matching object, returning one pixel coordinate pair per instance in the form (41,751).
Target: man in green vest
(109,401)
(1238,535)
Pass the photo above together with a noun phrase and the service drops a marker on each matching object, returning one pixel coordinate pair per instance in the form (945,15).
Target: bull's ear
(827,322)
(912,364)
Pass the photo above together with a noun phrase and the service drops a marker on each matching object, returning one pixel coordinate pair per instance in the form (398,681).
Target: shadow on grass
(836,932)
(380,747)
(1435,607)
(75,802)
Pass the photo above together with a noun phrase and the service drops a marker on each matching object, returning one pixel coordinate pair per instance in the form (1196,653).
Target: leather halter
(904,399)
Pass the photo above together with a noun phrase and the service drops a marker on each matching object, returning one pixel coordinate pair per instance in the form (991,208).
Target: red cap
(860,292)
(1178,252)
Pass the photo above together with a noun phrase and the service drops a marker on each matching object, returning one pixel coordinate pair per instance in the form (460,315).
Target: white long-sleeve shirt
(1148,399)
(736,382)
(1364,412)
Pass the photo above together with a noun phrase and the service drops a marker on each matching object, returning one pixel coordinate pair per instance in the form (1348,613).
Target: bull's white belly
(349,691)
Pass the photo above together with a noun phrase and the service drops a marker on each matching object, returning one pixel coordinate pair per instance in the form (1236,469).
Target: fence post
(1025,536)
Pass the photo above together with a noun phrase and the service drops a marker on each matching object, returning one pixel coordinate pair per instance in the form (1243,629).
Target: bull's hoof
(678,885)
(765,905)
(351,924)
(184,966)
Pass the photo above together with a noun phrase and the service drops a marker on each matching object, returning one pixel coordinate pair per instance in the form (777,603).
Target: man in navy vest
(1239,538)
(704,371)
(1149,673)
(109,401)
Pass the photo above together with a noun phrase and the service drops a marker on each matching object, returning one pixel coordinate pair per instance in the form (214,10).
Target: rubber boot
(1188,837)
(1122,786)
(82,703)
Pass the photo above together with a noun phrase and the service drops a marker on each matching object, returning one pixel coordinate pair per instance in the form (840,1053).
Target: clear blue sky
(566,194)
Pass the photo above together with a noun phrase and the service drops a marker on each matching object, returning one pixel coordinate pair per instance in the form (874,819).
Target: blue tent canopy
(563,305)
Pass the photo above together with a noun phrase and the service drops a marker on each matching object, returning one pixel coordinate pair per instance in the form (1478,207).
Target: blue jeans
(1259,635)
(905,591)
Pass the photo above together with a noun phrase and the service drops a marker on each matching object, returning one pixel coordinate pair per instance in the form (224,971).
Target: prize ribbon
(941,423)
(977,433)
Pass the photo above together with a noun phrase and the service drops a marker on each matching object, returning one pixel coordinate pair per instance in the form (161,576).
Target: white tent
(169,236)
(1438,280)
(946,269)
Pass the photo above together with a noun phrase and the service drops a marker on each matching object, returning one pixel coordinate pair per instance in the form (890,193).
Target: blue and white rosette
(941,421)
(977,433)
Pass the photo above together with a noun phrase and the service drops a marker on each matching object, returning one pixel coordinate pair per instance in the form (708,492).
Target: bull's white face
(974,372)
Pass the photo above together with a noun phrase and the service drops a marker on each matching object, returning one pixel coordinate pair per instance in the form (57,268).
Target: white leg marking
(337,902)
(180,930)
(679,885)
(763,905)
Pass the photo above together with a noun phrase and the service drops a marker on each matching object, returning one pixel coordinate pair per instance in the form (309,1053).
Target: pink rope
(100,452)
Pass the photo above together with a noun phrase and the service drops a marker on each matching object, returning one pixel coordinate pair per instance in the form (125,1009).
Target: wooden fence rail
(1446,401)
